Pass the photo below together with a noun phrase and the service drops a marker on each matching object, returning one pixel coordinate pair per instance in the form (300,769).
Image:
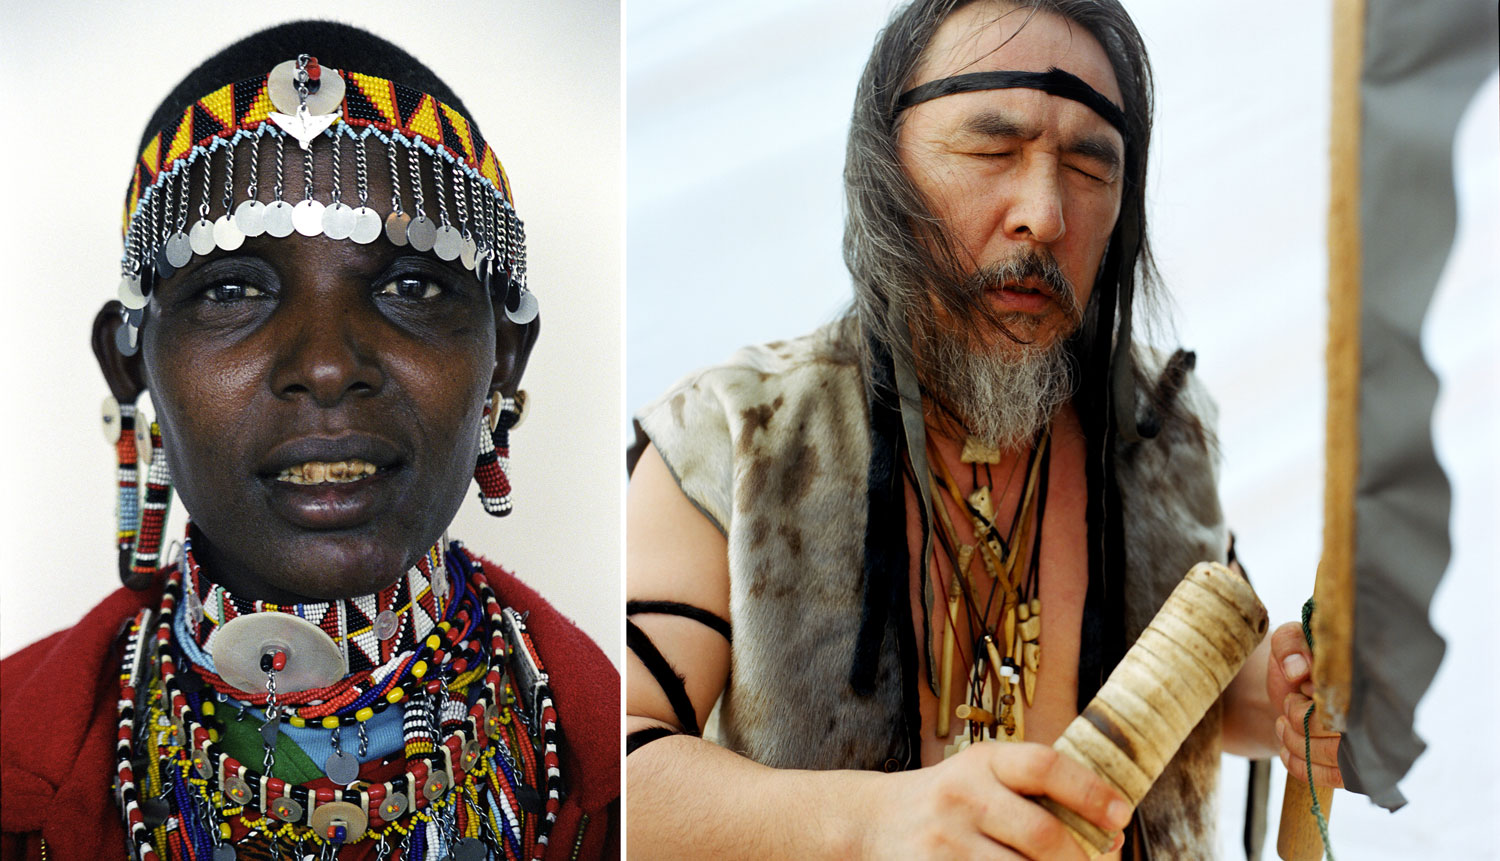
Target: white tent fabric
(735,131)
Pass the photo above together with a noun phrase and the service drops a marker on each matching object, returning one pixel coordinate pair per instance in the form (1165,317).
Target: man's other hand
(1289,684)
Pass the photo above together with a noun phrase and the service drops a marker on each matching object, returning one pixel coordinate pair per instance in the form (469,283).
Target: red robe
(59,721)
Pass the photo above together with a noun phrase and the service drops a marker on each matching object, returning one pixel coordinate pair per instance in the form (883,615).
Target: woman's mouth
(326,472)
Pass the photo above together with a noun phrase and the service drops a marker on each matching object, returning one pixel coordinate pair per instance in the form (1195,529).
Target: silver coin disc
(278,219)
(179,250)
(130,293)
(366,227)
(338,221)
(281,86)
(447,243)
(307,217)
(469,254)
(225,852)
(470,849)
(421,233)
(226,235)
(109,419)
(526,310)
(250,217)
(164,267)
(395,227)
(387,623)
(201,237)
(342,768)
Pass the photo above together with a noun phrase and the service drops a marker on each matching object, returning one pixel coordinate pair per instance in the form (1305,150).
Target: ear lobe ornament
(492,467)
(139,524)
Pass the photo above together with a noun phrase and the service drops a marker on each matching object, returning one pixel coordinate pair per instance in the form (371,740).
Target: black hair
(336,45)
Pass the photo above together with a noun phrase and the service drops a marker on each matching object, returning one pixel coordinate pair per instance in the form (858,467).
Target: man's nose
(326,352)
(1035,208)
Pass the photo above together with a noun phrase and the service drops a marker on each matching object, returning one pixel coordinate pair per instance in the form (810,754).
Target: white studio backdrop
(736,125)
(543,83)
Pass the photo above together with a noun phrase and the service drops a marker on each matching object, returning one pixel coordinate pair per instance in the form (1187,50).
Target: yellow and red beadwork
(368,102)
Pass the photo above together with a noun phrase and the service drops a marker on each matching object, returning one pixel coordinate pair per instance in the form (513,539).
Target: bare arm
(691,798)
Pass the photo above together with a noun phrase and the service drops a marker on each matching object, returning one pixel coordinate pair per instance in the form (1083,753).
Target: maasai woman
(324,292)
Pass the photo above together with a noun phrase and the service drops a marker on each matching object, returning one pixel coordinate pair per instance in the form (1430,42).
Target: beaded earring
(138,524)
(492,470)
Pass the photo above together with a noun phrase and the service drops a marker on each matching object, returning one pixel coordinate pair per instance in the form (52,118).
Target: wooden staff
(1162,688)
(1297,838)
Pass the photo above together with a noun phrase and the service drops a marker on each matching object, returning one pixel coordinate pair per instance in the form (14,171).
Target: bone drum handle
(1164,685)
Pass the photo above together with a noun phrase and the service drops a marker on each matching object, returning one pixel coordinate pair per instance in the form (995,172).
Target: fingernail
(1118,814)
(1119,842)
(1281,724)
(1286,758)
(1294,666)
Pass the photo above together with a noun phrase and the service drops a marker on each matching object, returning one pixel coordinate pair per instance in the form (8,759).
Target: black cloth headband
(1054,82)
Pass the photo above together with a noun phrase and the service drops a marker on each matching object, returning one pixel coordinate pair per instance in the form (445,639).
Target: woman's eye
(411,288)
(232,292)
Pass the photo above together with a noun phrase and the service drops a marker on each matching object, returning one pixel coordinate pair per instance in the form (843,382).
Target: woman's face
(320,402)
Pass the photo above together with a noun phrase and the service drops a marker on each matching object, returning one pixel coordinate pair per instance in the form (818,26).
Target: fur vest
(773,447)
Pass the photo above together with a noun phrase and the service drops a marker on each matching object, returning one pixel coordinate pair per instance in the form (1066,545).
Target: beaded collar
(369,630)
(480,776)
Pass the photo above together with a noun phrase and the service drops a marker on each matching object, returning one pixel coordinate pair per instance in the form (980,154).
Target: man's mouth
(325,472)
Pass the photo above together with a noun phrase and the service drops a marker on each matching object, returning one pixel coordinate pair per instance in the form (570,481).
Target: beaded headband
(302,101)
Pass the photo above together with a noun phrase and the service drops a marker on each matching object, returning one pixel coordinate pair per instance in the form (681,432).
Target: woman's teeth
(320,472)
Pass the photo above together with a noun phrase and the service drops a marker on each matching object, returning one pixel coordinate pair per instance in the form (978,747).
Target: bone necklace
(1003,609)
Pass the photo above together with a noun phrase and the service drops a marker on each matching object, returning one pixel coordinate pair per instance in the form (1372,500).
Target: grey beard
(1003,395)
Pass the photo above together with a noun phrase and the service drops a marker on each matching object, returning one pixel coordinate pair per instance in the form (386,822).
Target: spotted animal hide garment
(773,447)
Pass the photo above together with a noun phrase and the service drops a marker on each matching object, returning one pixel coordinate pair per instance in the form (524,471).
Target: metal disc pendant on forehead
(395,227)
(447,243)
(469,256)
(526,309)
(338,221)
(421,233)
(250,217)
(226,235)
(201,237)
(278,219)
(281,86)
(367,226)
(307,217)
(164,267)
(179,250)
(130,293)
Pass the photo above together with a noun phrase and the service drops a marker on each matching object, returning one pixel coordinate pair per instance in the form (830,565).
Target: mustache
(1024,264)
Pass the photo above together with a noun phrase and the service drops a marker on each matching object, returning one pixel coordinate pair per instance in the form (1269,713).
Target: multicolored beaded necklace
(474,773)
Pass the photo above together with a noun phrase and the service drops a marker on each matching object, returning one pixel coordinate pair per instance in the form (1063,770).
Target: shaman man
(917,541)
